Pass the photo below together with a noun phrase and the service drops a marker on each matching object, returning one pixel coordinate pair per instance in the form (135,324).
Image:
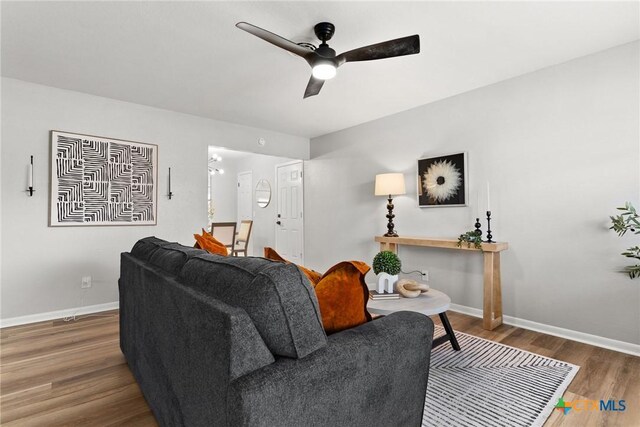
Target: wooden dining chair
(225,232)
(242,238)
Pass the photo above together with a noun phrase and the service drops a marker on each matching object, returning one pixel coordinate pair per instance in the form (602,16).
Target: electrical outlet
(86,282)
(425,275)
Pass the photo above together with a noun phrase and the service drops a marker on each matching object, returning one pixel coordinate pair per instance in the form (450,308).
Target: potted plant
(628,221)
(387,265)
(471,237)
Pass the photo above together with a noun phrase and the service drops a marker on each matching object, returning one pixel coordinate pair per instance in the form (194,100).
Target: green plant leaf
(628,221)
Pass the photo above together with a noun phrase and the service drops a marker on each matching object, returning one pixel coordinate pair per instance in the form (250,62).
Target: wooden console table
(492,298)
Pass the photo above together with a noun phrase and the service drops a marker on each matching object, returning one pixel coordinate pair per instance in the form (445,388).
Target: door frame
(277,200)
(250,173)
(238,218)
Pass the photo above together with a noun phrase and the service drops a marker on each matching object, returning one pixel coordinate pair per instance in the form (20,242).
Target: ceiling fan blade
(274,39)
(313,87)
(399,47)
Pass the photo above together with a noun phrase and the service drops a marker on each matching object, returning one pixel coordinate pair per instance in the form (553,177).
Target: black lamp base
(390,231)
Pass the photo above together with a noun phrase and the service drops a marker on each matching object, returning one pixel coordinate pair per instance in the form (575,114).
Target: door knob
(278,222)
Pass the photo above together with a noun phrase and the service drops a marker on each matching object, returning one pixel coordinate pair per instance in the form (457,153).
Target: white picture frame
(100,181)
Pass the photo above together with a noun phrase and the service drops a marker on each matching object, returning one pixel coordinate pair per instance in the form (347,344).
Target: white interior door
(289,214)
(245,201)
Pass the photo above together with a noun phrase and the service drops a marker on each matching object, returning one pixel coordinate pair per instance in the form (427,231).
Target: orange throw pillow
(313,276)
(210,244)
(342,293)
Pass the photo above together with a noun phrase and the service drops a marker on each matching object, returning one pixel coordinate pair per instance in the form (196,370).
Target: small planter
(387,265)
(386,282)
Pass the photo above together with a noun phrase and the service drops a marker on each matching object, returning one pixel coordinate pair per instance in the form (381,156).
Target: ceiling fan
(324,61)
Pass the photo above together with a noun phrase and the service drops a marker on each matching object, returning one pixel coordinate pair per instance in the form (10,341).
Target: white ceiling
(189,57)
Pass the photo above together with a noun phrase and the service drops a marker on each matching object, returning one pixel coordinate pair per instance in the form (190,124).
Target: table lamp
(390,184)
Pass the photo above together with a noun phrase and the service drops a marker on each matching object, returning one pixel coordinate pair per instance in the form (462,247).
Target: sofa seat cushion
(277,297)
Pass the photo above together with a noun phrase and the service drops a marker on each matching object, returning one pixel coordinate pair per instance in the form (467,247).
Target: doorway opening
(244,186)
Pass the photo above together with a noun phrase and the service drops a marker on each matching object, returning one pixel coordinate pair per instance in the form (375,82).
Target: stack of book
(375,295)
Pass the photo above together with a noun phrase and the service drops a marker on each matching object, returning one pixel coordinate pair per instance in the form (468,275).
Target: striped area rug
(490,384)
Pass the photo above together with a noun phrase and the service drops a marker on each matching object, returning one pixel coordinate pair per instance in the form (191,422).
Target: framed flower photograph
(442,181)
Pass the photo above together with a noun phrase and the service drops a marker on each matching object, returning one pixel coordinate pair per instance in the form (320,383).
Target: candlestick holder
(30,188)
(489,236)
(477,225)
(170,194)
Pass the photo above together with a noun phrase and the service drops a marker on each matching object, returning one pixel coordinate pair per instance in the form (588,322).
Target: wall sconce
(30,188)
(170,193)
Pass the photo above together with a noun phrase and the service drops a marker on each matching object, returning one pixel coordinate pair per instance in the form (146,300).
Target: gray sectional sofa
(225,341)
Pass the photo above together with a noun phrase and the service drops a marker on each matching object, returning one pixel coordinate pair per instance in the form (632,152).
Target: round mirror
(263,193)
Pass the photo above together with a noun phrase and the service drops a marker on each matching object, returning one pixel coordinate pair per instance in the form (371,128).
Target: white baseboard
(608,343)
(51,315)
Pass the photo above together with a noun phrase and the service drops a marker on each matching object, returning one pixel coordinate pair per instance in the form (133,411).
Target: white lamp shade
(390,184)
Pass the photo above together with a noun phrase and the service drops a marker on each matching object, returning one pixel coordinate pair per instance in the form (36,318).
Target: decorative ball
(386,262)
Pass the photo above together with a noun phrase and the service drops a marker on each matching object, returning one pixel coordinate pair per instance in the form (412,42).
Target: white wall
(561,149)
(42,266)
(224,192)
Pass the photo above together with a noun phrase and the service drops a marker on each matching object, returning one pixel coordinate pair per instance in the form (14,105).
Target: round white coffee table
(430,303)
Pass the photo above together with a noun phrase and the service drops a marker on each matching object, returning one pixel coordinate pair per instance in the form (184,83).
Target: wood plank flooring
(59,373)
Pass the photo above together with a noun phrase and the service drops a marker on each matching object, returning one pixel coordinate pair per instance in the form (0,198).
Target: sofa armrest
(183,347)
(374,374)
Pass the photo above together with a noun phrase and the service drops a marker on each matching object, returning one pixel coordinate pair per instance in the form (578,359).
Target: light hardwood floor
(59,373)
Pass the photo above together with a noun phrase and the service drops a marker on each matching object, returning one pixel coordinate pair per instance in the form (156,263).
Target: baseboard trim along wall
(608,343)
(59,314)
(621,346)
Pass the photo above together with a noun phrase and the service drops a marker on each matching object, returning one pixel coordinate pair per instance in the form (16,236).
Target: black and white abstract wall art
(442,180)
(102,181)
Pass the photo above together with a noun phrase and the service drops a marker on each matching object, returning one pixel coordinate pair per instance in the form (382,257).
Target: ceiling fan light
(324,71)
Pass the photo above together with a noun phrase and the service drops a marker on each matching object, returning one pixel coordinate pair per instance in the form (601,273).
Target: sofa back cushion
(168,256)
(172,257)
(144,248)
(277,297)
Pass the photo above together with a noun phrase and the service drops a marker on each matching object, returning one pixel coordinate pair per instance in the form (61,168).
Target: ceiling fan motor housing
(324,31)
(325,51)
